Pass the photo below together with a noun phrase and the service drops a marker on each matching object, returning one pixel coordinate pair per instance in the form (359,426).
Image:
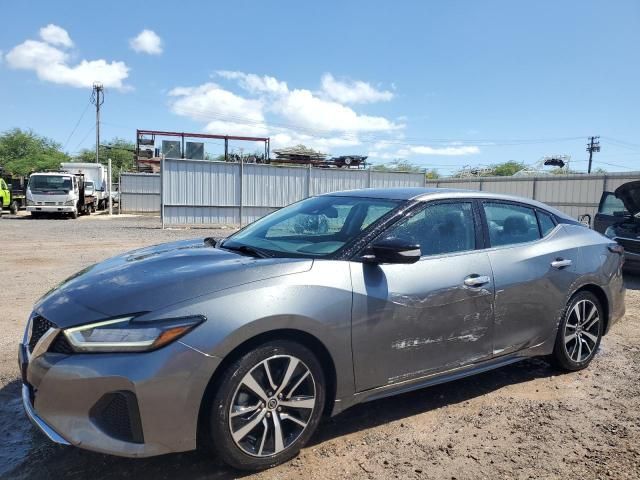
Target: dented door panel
(414,320)
(530,292)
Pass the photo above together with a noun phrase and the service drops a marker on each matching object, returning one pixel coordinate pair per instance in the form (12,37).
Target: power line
(76,126)
(84,138)
(204,114)
(622,143)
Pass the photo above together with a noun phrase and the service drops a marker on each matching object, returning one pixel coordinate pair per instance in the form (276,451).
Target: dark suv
(618,218)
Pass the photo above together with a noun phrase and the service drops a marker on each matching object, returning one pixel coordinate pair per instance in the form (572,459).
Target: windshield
(611,205)
(315,227)
(50,183)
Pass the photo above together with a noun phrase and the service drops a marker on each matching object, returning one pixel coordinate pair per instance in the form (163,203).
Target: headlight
(128,335)
(70,203)
(610,232)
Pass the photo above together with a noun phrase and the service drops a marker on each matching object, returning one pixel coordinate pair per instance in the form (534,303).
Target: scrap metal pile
(301,155)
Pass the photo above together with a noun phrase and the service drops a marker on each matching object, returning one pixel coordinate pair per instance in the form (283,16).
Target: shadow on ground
(26,453)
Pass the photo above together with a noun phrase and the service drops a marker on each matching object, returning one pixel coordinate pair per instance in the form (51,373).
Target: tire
(583,324)
(74,214)
(256,445)
(13,208)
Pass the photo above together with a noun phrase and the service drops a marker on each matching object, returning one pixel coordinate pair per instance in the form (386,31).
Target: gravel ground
(522,421)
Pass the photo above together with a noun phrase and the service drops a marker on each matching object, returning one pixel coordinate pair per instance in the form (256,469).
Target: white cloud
(270,108)
(147,41)
(450,151)
(51,64)
(225,112)
(55,35)
(353,92)
(306,110)
(288,138)
(254,83)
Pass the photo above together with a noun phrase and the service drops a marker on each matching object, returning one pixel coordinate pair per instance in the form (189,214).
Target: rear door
(610,210)
(410,321)
(533,268)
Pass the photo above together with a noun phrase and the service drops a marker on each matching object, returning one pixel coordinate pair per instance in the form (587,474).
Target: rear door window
(546,222)
(510,223)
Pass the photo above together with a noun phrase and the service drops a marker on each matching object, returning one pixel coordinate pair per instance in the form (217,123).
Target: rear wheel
(267,405)
(13,208)
(579,332)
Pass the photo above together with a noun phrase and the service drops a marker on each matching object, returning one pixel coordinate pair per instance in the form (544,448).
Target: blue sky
(443,84)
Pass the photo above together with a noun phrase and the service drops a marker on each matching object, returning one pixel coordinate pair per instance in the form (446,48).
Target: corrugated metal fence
(572,194)
(197,192)
(201,192)
(140,193)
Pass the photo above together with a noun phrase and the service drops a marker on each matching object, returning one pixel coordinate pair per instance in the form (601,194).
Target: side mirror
(393,250)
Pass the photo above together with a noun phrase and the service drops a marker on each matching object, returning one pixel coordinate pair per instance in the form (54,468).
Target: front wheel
(579,332)
(267,405)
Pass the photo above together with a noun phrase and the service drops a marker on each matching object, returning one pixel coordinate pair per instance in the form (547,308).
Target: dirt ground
(522,421)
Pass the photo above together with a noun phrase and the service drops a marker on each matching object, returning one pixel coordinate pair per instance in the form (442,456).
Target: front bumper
(51,208)
(37,421)
(61,393)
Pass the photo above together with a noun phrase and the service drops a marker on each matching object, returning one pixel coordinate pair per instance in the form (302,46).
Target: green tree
(505,169)
(120,151)
(24,151)
(398,165)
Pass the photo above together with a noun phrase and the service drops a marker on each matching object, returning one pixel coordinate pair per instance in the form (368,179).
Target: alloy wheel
(272,405)
(582,331)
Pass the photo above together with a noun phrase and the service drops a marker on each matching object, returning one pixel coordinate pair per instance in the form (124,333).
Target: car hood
(151,278)
(629,193)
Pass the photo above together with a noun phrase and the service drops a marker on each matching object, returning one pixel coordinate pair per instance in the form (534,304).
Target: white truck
(59,193)
(93,172)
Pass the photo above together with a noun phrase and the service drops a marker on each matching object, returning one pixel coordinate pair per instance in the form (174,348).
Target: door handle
(475,280)
(561,263)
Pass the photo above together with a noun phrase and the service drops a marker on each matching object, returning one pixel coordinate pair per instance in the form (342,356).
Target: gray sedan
(242,345)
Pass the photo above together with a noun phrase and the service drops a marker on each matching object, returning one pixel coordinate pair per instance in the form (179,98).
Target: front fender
(317,302)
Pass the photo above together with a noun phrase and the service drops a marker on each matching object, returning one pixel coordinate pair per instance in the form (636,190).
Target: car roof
(398,193)
(425,194)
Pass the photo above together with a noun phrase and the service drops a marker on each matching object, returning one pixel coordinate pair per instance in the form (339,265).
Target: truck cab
(5,195)
(56,192)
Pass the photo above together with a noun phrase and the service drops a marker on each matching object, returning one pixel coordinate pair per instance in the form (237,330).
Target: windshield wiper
(247,249)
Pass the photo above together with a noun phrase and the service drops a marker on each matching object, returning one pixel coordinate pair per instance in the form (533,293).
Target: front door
(410,321)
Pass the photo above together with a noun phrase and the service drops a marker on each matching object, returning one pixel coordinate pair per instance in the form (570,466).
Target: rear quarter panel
(599,266)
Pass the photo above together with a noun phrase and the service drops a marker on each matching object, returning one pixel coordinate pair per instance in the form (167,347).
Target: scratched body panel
(530,293)
(413,320)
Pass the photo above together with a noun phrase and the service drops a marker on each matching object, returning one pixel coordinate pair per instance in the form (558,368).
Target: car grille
(39,326)
(632,246)
(117,415)
(61,345)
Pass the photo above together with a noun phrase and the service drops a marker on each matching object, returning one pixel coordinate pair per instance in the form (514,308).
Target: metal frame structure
(183,135)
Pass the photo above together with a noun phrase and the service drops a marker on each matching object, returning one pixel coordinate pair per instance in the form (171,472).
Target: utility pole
(97,98)
(592,146)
